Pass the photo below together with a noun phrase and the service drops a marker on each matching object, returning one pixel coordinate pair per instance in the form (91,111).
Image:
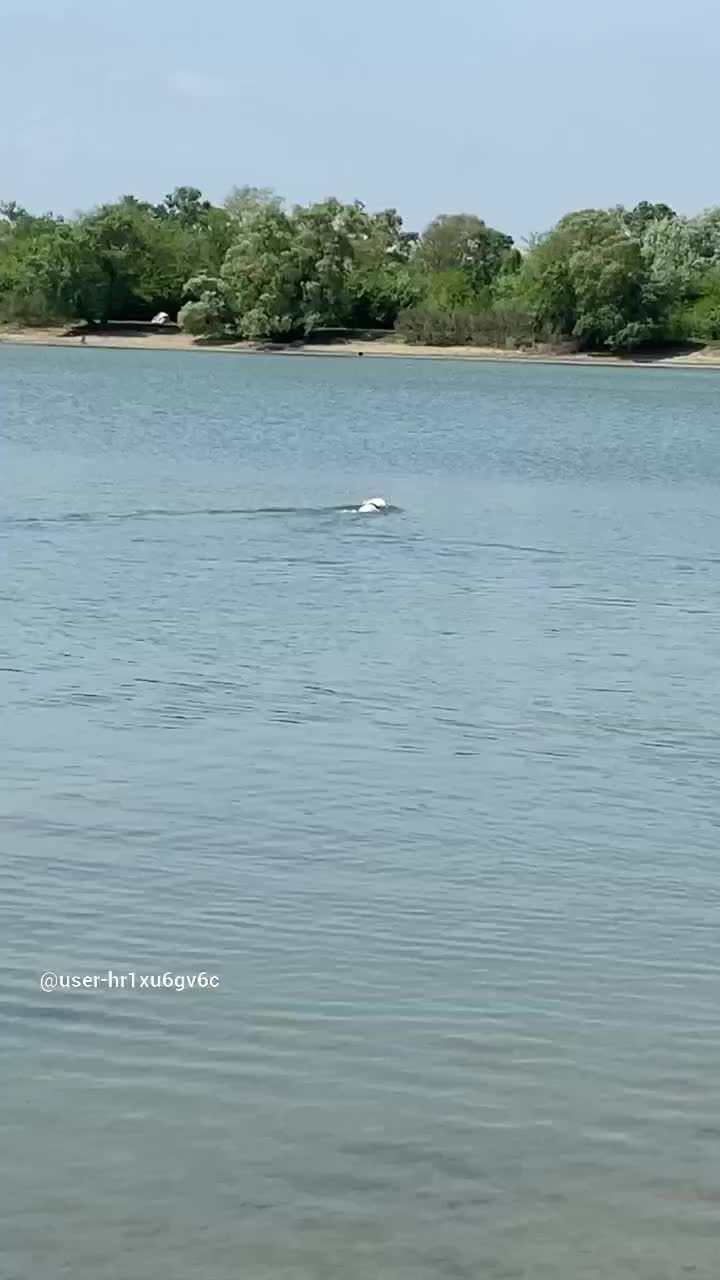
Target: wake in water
(366,506)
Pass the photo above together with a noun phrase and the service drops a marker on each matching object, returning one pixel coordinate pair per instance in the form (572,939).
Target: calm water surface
(434,793)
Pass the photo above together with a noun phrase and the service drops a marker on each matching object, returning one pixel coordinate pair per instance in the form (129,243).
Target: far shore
(702,358)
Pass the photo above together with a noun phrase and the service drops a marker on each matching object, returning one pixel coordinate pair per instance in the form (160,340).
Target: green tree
(185,204)
(287,273)
(27,293)
(244,202)
(589,280)
(641,218)
(699,320)
(381,278)
(463,242)
(615,305)
(672,253)
(705,233)
(261,282)
(325,233)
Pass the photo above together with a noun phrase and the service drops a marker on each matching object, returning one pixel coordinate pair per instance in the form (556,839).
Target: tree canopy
(256,267)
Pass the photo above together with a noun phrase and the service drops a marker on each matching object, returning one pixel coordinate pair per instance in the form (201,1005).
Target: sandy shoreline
(703,359)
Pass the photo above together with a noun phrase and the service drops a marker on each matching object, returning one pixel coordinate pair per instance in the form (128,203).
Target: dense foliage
(257,268)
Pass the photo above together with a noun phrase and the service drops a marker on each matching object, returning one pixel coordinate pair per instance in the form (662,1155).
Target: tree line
(258,268)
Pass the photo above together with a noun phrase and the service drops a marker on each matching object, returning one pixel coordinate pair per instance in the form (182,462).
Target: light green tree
(463,242)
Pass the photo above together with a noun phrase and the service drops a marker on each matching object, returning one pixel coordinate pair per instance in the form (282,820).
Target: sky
(518,112)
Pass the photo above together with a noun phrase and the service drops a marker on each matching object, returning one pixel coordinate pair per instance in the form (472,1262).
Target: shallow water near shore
(433,792)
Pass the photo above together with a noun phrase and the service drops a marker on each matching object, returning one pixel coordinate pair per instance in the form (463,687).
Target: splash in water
(372,504)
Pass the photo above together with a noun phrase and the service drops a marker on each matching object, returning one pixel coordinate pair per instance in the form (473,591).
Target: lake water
(434,794)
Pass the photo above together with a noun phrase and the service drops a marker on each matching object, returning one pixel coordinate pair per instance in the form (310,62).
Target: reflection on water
(435,796)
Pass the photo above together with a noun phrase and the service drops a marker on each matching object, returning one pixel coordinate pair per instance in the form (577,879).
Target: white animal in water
(372,504)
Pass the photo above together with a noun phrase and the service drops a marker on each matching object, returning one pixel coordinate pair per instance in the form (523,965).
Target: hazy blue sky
(518,112)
